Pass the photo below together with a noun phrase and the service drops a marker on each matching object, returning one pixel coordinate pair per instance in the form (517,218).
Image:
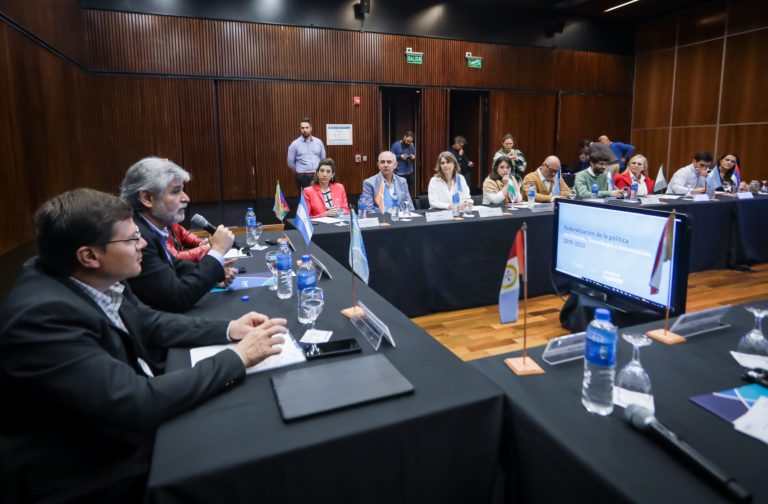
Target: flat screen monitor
(612,249)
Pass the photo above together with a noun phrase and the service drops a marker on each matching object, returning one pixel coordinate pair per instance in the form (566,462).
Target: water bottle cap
(250,209)
(305,258)
(245,299)
(602,314)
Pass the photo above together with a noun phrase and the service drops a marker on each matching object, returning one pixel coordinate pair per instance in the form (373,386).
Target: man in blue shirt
(304,154)
(622,151)
(405,153)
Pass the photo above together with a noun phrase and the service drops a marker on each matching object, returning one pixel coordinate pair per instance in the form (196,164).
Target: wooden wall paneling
(434,124)
(656,34)
(702,22)
(530,117)
(697,84)
(259,120)
(527,68)
(593,72)
(653,89)
(746,72)
(748,141)
(589,117)
(654,145)
(170,118)
(747,15)
(686,142)
(57,22)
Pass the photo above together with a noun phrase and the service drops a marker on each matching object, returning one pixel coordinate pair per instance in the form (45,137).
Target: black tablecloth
(425,267)
(557,452)
(439,444)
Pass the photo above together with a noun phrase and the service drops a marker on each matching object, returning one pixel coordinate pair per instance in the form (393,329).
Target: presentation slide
(613,248)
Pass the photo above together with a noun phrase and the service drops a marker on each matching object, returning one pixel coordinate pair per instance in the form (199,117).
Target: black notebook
(317,389)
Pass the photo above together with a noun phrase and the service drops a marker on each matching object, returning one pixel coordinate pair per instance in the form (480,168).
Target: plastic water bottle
(455,204)
(250,228)
(284,268)
(633,191)
(306,278)
(361,210)
(531,196)
(599,364)
(594,190)
(395,209)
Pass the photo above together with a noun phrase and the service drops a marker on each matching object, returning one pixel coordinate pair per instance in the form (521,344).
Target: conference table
(426,267)
(438,444)
(557,452)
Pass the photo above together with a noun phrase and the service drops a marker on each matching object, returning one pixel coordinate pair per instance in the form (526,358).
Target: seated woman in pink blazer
(325,197)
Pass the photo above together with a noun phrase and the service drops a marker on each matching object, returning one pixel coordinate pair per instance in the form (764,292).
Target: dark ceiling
(638,11)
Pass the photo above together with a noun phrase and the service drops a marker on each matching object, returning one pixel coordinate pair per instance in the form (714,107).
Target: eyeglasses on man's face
(136,239)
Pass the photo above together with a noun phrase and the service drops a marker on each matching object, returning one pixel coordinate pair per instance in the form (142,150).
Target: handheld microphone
(200,221)
(643,420)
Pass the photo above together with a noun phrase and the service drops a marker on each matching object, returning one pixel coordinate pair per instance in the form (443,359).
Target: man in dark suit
(154,188)
(81,396)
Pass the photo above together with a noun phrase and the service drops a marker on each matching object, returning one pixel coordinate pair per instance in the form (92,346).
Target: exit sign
(414,58)
(474,62)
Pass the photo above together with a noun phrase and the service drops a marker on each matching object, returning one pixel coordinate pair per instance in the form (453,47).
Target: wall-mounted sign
(338,134)
(413,58)
(473,61)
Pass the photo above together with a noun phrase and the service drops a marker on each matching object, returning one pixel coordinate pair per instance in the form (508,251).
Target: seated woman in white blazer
(446,182)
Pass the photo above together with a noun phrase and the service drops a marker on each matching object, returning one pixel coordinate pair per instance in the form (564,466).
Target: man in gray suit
(386,181)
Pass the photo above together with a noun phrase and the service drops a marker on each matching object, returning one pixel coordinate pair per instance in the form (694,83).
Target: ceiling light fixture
(620,6)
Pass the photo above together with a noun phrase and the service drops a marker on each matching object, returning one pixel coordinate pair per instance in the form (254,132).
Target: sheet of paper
(651,200)
(233,253)
(368,222)
(669,196)
(623,398)
(291,354)
(755,421)
(750,361)
(316,336)
(744,195)
(259,247)
(483,211)
(443,215)
(326,220)
(700,197)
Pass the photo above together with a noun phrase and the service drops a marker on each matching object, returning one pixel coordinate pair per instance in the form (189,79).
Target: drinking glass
(754,341)
(468,208)
(259,230)
(754,187)
(271,258)
(726,186)
(341,215)
(312,303)
(633,377)
(764,186)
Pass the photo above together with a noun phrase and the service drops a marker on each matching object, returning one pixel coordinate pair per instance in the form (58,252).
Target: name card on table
(744,195)
(443,215)
(700,197)
(650,200)
(484,211)
(368,222)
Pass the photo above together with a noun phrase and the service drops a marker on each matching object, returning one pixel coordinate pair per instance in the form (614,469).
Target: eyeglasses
(552,171)
(136,238)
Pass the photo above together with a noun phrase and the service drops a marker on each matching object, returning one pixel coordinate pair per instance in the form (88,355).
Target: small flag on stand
(713,179)
(556,189)
(661,183)
(303,223)
(383,198)
(358,261)
(736,176)
(514,273)
(663,253)
(281,206)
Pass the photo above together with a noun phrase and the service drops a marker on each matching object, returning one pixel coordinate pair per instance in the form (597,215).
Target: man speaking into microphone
(154,188)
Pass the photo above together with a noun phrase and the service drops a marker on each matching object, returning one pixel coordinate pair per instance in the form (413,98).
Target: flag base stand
(384,224)
(458,218)
(666,337)
(352,312)
(523,366)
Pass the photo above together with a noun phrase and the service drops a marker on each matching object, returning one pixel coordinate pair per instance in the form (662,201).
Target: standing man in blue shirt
(622,151)
(405,153)
(304,154)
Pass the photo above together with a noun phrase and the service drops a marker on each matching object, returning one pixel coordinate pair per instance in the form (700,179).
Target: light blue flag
(303,224)
(609,178)
(713,179)
(358,261)
(388,203)
(556,189)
